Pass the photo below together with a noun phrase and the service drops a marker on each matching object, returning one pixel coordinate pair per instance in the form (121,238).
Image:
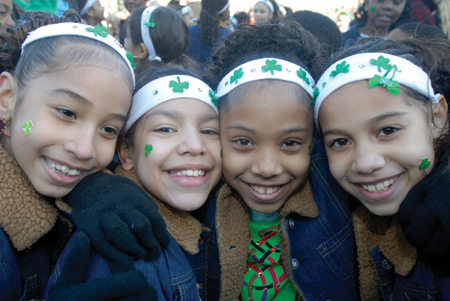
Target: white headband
(97,33)
(224,8)
(88,5)
(381,69)
(266,68)
(268,3)
(146,24)
(186,10)
(167,88)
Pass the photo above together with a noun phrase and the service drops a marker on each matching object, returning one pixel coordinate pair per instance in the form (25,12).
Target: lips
(62,173)
(380,186)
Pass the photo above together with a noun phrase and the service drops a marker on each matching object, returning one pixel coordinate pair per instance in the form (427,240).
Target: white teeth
(63,169)
(188,172)
(263,190)
(379,187)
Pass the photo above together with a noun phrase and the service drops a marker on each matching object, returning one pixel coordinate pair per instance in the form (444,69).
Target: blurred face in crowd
(5,14)
(132,5)
(384,13)
(262,13)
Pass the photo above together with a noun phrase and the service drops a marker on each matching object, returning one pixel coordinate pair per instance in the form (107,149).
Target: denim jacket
(170,275)
(318,244)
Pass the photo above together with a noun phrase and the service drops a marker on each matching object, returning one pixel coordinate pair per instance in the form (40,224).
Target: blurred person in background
(91,11)
(265,11)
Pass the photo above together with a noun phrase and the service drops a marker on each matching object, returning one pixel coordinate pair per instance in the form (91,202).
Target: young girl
(377,18)
(157,33)
(61,120)
(265,11)
(385,129)
(171,149)
(281,235)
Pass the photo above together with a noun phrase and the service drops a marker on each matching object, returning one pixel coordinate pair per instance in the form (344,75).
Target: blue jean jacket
(170,275)
(24,274)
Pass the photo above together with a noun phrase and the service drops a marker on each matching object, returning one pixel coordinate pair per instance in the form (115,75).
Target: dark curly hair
(289,42)
(54,54)
(432,56)
(361,16)
(209,21)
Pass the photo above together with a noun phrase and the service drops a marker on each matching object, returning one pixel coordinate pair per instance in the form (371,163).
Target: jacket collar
(25,215)
(385,232)
(232,223)
(183,227)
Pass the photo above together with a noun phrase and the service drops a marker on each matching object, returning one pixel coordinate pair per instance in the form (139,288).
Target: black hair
(170,36)
(143,79)
(289,42)
(242,17)
(209,21)
(432,56)
(54,54)
(81,4)
(361,16)
(422,31)
(320,26)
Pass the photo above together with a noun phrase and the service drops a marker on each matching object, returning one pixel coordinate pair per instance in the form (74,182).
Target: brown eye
(388,131)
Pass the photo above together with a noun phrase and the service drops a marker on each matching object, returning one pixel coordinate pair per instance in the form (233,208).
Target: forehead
(260,6)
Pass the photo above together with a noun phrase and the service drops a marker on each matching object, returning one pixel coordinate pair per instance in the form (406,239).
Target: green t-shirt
(266,277)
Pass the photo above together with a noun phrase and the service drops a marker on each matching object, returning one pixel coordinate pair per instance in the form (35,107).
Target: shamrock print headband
(148,22)
(97,33)
(167,88)
(381,69)
(266,68)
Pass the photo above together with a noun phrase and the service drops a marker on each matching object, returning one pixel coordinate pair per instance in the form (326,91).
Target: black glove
(128,286)
(120,219)
(424,217)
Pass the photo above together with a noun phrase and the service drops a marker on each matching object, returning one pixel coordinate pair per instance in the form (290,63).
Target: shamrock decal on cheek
(27,125)
(148,149)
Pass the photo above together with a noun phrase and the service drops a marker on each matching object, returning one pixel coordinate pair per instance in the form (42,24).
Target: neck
(374,31)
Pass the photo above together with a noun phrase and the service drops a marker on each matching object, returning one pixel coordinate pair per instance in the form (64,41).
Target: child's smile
(375,143)
(265,141)
(76,116)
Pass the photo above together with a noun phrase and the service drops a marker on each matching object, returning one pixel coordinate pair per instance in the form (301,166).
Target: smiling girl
(386,133)
(376,18)
(61,120)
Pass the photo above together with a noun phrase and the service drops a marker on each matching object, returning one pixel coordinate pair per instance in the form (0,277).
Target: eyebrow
(72,95)
(167,113)
(241,127)
(371,121)
(296,129)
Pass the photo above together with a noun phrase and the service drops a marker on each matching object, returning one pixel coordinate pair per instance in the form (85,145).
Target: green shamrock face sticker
(237,74)
(302,74)
(373,8)
(178,86)
(27,125)
(425,164)
(271,65)
(341,68)
(98,30)
(130,58)
(155,92)
(310,150)
(151,23)
(212,94)
(148,149)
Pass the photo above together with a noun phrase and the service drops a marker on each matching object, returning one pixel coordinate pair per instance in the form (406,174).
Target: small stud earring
(5,130)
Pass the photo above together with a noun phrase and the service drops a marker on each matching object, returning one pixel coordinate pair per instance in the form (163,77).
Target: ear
(89,12)
(142,52)
(440,117)
(7,95)
(124,153)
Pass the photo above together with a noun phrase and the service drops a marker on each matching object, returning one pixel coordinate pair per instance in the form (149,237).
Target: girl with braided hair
(210,30)
(65,91)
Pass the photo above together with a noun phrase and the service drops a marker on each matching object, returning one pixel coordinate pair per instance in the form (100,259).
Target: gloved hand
(39,5)
(120,219)
(70,286)
(424,217)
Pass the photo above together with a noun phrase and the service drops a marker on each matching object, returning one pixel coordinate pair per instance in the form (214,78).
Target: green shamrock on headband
(341,68)
(98,30)
(212,94)
(130,59)
(390,84)
(152,23)
(315,95)
(237,74)
(271,65)
(178,86)
(302,74)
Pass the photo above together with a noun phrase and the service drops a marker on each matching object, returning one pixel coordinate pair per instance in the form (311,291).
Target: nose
(367,160)
(388,5)
(82,144)
(267,165)
(191,143)
(9,21)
